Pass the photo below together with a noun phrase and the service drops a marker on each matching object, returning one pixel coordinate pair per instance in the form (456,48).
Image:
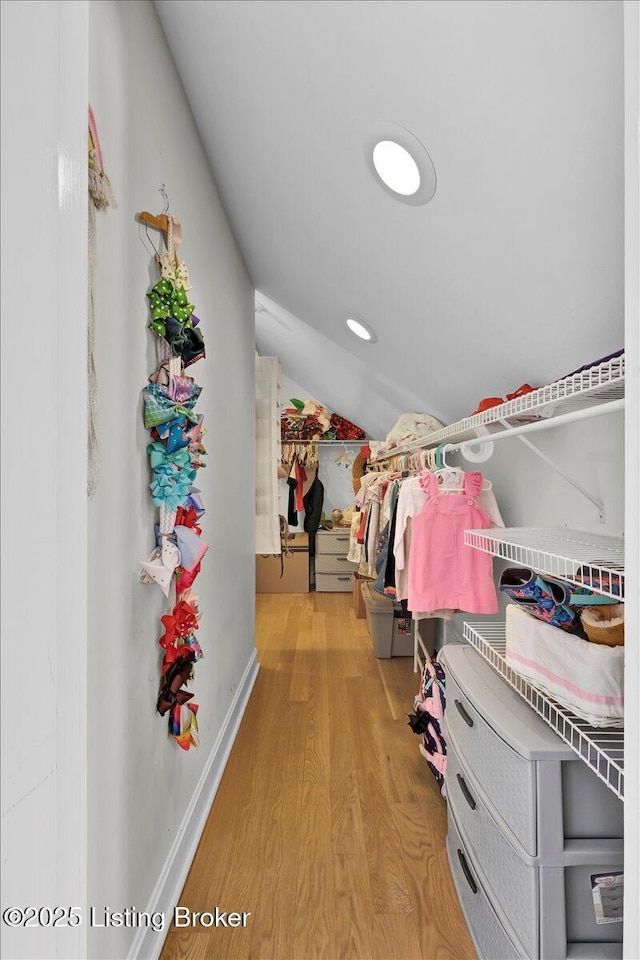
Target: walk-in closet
(320,612)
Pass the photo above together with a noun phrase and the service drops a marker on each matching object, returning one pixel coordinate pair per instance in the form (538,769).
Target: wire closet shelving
(600,384)
(601,748)
(585,559)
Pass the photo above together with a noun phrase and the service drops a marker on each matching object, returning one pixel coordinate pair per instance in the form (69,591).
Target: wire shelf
(585,559)
(591,387)
(601,748)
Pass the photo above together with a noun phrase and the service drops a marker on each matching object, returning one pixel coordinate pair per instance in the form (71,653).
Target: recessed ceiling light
(400,163)
(396,167)
(362,330)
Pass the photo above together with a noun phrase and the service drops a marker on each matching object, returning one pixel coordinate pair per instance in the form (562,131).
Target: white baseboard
(148,943)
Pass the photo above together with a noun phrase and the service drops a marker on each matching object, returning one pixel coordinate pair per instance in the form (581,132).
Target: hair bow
(159,408)
(183,725)
(175,675)
(173,434)
(173,475)
(187,517)
(178,273)
(185,579)
(182,390)
(161,565)
(167,301)
(186,342)
(179,623)
(195,500)
(192,548)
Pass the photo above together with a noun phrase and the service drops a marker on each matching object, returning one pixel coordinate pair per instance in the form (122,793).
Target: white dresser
(334,573)
(529,825)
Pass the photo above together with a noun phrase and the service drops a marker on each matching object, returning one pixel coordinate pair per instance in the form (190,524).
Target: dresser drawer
(333,582)
(329,542)
(331,563)
(489,937)
(508,780)
(511,883)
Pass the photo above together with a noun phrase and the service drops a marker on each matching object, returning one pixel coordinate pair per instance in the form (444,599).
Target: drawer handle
(343,559)
(342,538)
(463,713)
(344,578)
(467,872)
(466,792)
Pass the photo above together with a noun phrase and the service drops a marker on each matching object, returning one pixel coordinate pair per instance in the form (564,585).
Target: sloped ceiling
(512,273)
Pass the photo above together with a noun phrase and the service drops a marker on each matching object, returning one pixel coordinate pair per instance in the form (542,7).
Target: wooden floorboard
(327,825)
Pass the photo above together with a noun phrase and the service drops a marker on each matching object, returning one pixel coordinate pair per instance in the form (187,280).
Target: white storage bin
(587,678)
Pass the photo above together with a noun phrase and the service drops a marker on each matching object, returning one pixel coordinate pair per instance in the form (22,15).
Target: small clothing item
(313,502)
(443,571)
(410,502)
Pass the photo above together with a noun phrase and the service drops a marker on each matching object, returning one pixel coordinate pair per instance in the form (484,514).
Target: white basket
(587,678)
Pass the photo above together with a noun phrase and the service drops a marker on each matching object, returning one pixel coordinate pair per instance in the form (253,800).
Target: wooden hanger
(160,222)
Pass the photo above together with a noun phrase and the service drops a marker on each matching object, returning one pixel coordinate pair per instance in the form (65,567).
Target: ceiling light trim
(357,322)
(387,130)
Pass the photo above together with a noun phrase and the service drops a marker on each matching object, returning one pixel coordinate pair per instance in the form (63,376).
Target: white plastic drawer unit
(334,573)
(332,541)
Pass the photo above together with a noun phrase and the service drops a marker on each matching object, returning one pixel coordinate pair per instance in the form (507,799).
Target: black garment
(390,569)
(313,502)
(292,513)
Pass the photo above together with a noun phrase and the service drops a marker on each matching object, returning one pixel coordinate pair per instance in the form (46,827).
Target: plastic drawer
(332,563)
(334,582)
(329,542)
(508,780)
(510,882)
(489,937)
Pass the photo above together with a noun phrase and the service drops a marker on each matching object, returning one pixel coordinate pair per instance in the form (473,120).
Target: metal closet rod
(613,406)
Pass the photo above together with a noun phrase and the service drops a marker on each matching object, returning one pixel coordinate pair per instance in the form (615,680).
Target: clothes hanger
(168,226)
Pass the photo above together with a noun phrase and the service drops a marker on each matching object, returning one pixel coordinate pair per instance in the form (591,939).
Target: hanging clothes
(292,513)
(443,571)
(313,502)
(411,500)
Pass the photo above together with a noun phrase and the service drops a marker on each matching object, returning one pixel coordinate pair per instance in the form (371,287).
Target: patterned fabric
(159,408)
(175,454)
(165,301)
(173,476)
(178,273)
(429,706)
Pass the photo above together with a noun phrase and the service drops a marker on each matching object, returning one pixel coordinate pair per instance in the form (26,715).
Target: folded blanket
(587,678)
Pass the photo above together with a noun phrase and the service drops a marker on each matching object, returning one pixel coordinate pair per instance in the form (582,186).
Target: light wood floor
(327,824)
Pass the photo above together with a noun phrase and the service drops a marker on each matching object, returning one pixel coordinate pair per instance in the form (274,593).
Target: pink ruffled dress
(443,572)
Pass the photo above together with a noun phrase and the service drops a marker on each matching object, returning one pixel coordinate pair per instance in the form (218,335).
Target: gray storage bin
(383,626)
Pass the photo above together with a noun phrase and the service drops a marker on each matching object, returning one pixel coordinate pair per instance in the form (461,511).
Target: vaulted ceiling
(513,272)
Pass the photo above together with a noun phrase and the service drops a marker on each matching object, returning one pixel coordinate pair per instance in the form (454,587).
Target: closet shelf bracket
(613,406)
(599,504)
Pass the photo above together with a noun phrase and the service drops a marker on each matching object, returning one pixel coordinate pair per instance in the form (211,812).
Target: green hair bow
(168,301)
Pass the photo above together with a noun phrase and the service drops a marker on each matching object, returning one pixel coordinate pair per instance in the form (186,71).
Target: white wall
(348,384)
(140,782)
(44,229)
